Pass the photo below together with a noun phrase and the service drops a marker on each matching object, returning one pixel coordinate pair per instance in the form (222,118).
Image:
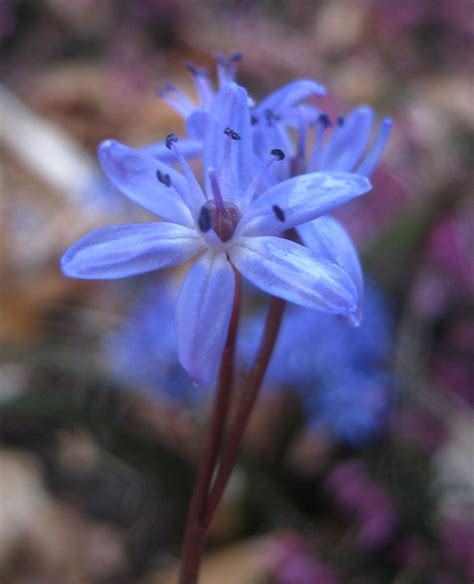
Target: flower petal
(371,159)
(301,199)
(327,237)
(267,136)
(284,268)
(232,159)
(292,116)
(289,95)
(125,250)
(203,314)
(196,125)
(135,174)
(348,142)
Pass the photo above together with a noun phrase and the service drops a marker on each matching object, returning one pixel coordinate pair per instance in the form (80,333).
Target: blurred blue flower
(142,353)
(346,149)
(340,372)
(235,226)
(344,144)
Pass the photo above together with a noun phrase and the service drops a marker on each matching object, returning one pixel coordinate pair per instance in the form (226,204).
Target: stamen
(302,135)
(232,134)
(194,187)
(226,176)
(298,163)
(279,213)
(236,56)
(269,115)
(170,140)
(372,157)
(202,83)
(322,124)
(216,190)
(222,59)
(324,120)
(276,155)
(163,178)
(177,99)
(204,220)
(194,69)
(227,67)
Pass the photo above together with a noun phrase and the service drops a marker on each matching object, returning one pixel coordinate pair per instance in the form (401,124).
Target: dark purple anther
(170,139)
(325,121)
(163,178)
(236,57)
(204,219)
(232,134)
(195,70)
(268,115)
(278,154)
(225,60)
(279,213)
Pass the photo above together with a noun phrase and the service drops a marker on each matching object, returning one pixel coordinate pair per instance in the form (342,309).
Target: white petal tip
(105,145)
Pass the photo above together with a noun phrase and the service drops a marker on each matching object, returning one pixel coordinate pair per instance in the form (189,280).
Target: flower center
(222,219)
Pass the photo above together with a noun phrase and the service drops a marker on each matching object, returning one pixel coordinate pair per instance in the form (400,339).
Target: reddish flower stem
(195,533)
(244,410)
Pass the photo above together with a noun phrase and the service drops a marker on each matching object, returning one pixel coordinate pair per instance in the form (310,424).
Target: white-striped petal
(203,314)
(126,250)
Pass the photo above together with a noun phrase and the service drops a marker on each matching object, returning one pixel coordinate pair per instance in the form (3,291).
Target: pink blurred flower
(288,559)
(370,504)
(457,536)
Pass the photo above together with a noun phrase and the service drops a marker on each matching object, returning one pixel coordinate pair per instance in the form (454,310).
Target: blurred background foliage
(358,464)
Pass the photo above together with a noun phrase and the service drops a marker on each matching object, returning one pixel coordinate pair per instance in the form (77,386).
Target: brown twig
(195,534)
(242,415)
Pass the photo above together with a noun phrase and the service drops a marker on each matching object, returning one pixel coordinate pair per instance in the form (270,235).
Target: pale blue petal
(327,237)
(348,142)
(372,157)
(301,199)
(289,95)
(229,109)
(135,175)
(292,116)
(268,136)
(203,314)
(125,250)
(189,147)
(196,125)
(286,269)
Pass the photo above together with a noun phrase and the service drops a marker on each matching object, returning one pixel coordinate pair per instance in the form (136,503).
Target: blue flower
(142,352)
(279,105)
(235,225)
(340,372)
(346,149)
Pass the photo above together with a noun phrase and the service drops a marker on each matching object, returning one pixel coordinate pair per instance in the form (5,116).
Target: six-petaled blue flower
(235,223)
